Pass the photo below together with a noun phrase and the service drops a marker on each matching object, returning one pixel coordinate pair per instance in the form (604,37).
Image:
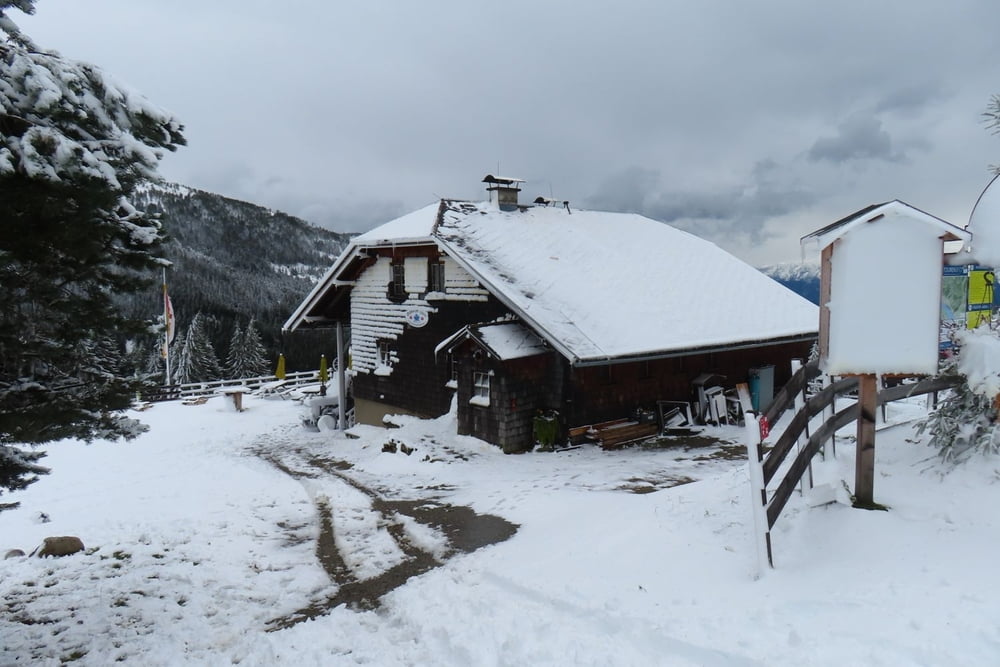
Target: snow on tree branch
(65,120)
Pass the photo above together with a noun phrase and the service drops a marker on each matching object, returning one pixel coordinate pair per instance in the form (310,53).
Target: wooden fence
(765,469)
(188,390)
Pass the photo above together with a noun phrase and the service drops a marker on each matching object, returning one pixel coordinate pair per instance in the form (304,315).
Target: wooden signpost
(864,464)
(864,332)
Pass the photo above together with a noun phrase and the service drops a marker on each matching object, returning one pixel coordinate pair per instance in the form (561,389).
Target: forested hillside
(232,260)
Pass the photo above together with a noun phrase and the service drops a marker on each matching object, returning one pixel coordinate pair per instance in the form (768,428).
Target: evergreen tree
(197,360)
(234,359)
(179,363)
(73,146)
(247,354)
(966,420)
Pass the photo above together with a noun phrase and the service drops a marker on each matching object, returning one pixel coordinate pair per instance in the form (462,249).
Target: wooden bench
(235,394)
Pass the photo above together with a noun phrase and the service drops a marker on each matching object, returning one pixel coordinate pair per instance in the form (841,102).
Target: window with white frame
(480,388)
(452,382)
(384,354)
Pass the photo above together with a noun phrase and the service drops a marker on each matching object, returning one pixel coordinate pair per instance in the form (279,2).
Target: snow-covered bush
(965,421)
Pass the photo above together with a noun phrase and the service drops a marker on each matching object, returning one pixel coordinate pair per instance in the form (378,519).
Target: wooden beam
(800,421)
(801,462)
(825,272)
(864,464)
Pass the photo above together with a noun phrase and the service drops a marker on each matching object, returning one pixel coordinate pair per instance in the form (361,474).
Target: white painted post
(758,494)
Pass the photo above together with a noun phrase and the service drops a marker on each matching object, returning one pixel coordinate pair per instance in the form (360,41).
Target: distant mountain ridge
(800,277)
(233,260)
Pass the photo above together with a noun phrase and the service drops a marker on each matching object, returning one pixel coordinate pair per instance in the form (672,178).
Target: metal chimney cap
(500,180)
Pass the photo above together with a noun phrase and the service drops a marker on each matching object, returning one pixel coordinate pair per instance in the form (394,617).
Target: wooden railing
(765,469)
(190,389)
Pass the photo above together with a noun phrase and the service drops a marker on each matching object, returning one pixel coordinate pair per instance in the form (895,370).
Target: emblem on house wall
(416,318)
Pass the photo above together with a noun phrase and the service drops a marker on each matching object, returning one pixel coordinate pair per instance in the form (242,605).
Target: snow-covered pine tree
(234,358)
(73,145)
(256,352)
(247,354)
(966,421)
(196,360)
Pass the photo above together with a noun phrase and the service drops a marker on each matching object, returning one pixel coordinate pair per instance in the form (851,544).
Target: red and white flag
(168,311)
(169,322)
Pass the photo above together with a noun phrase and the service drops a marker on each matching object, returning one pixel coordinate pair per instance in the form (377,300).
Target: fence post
(758,494)
(799,403)
(827,381)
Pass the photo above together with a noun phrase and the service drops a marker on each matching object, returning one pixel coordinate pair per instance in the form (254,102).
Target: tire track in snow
(465,530)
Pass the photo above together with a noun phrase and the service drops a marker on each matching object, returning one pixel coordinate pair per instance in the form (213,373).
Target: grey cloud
(626,191)
(352,113)
(860,137)
(715,213)
(910,99)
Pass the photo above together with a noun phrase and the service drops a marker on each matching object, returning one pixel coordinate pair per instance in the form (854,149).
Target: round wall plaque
(416,318)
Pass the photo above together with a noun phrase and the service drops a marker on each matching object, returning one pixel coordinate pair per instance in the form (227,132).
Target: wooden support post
(341,380)
(864,470)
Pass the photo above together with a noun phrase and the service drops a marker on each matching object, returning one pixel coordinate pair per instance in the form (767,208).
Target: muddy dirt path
(465,530)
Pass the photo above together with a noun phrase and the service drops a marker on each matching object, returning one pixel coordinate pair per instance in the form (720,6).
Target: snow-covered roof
(601,286)
(412,227)
(827,235)
(504,340)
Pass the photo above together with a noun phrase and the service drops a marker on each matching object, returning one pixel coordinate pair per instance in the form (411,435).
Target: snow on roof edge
(830,233)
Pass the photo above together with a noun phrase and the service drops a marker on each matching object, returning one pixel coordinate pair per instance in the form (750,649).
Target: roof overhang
(870,214)
(472,332)
(340,279)
(686,352)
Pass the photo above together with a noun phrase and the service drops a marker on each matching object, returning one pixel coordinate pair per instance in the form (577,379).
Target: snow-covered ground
(202,549)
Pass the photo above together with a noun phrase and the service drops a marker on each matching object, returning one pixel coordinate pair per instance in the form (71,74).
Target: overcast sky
(748,123)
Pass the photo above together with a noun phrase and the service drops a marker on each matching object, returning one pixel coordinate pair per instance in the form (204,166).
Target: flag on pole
(168,308)
(168,331)
(169,322)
